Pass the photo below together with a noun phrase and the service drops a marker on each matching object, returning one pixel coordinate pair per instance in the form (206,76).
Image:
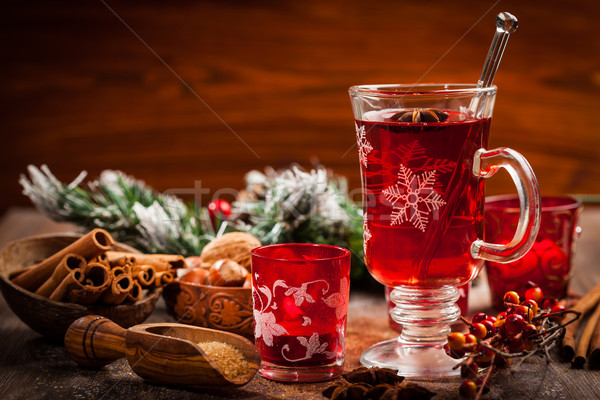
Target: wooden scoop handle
(94,341)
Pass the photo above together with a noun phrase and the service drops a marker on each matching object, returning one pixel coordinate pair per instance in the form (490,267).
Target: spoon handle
(94,341)
(506,24)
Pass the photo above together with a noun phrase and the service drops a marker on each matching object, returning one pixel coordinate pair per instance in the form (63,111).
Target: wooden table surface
(32,368)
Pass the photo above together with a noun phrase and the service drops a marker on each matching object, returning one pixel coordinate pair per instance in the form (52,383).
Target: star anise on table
(420,115)
(375,384)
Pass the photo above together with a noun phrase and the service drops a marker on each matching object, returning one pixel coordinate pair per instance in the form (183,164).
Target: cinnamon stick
(89,246)
(145,274)
(96,280)
(66,265)
(117,290)
(594,362)
(161,262)
(584,305)
(135,294)
(163,278)
(120,258)
(71,281)
(584,339)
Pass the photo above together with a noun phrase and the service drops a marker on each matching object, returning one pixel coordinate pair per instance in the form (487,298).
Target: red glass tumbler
(300,294)
(548,263)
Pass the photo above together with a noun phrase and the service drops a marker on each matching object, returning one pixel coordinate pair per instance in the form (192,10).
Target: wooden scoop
(163,353)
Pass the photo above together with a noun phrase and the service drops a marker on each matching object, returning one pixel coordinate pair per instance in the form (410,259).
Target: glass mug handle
(485,164)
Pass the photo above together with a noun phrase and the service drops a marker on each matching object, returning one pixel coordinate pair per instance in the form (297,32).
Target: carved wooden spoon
(163,353)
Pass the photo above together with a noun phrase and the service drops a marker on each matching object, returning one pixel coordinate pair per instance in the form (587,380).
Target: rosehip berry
(502,315)
(489,326)
(468,389)
(500,326)
(479,317)
(485,355)
(550,302)
(531,284)
(534,293)
(470,339)
(529,330)
(514,324)
(469,371)
(525,312)
(512,297)
(515,344)
(456,341)
(493,319)
(557,308)
(478,330)
(501,361)
(531,304)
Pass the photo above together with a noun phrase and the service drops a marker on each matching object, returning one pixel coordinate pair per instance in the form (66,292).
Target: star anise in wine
(420,115)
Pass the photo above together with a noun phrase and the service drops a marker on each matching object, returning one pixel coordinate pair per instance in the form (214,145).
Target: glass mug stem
(485,164)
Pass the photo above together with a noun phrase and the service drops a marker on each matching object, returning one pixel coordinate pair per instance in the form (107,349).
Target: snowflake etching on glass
(413,198)
(364,147)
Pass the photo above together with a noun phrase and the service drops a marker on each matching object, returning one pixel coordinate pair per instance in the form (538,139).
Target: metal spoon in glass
(506,24)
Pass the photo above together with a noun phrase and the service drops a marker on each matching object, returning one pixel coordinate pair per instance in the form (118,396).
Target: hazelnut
(226,272)
(195,275)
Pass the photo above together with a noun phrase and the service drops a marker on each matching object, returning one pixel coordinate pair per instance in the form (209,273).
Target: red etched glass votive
(300,294)
(548,263)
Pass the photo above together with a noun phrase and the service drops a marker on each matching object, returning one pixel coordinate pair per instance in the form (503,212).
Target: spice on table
(230,360)
(375,384)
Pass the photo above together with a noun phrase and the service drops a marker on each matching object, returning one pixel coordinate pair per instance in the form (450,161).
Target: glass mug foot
(425,316)
(411,360)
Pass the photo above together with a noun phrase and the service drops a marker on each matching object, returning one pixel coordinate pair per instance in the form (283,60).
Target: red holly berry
(479,317)
(456,341)
(218,209)
(478,330)
(468,389)
(511,297)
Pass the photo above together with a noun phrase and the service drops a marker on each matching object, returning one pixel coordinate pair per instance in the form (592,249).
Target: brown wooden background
(251,84)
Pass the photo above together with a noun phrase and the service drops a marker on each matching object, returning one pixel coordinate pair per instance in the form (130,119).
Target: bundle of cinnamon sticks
(587,347)
(88,271)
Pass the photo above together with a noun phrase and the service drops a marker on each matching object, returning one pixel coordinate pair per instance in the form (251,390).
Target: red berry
(457,354)
(218,209)
(500,326)
(501,361)
(468,389)
(525,312)
(534,293)
(514,324)
(493,319)
(489,326)
(515,344)
(485,354)
(530,285)
(469,371)
(478,330)
(550,302)
(529,330)
(479,317)
(512,297)
(531,304)
(502,315)
(456,341)
(557,308)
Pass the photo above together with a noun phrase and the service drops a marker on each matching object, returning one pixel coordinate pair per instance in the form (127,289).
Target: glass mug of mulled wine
(422,153)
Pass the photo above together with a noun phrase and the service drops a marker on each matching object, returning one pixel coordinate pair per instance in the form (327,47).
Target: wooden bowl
(52,318)
(217,307)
